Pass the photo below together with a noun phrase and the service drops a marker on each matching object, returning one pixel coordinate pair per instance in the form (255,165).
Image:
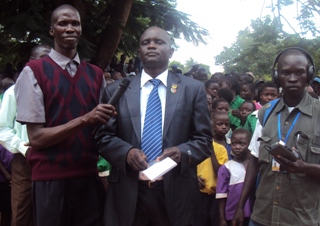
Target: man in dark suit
(186,139)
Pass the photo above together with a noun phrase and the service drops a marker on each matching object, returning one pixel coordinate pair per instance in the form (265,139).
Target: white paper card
(160,168)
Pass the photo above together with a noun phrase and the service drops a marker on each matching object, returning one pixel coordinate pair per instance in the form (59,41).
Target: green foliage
(308,13)
(256,48)
(306,17)
(190,62)
(188,65)
(160,13)
(24,24)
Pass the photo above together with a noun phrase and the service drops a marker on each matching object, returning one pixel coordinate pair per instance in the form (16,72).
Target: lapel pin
(174,88)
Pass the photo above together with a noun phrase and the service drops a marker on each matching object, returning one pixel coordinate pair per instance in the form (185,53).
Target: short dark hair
(219,74)
(226,94)
(247,79)
(233,83)
(250,102)
(202,70)
(207,83)
(64,6)
(250,85)
(216,102)
(268,84)
(243,131)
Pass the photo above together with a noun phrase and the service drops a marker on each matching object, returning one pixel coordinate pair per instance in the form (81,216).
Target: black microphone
(119,91)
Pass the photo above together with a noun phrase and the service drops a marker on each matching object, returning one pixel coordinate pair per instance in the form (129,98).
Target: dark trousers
(21,198)
(253,223)
(208,211)
(5,206)
(151,209)
(70,202)
(244,223)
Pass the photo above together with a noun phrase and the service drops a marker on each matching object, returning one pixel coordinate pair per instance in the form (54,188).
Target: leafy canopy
(24,24)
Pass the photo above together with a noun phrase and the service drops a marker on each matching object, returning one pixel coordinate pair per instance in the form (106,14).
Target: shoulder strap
(269,110)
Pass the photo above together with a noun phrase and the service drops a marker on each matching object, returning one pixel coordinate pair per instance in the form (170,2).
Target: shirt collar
(62,60)
(305,105)
(145,77)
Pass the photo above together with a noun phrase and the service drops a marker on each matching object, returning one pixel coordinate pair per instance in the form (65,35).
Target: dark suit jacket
(186,125)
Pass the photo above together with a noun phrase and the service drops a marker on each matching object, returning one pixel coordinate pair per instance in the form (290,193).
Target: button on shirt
(145,90)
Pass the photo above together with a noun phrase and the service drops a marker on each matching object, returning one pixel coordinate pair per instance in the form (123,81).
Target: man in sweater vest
(58,99)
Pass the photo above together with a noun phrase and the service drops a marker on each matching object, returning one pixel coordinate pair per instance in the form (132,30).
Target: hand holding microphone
(103,112)
(119,92)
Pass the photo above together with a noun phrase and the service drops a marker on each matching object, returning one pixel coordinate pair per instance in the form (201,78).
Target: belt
(151,184)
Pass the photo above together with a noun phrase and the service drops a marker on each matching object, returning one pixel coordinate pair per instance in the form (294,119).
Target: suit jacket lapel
(172,99)
(133,103)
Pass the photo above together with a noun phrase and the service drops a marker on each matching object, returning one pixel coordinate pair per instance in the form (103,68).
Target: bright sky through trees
(223,19)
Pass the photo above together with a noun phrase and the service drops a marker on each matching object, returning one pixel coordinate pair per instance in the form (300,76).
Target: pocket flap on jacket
(265,139)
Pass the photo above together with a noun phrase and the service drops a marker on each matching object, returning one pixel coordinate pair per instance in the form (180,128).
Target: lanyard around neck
(290,129)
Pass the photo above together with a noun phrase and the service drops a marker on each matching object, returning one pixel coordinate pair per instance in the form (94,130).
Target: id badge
(275,166)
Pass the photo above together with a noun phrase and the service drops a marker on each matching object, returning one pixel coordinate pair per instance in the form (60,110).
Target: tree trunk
(112,33)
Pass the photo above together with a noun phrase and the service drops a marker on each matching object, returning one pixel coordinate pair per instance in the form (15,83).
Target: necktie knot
(72,67)
(155,82)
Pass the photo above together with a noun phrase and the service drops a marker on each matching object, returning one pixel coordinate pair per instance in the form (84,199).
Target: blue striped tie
(151,143)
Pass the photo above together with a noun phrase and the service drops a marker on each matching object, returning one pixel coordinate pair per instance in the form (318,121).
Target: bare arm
(249,182)
(222,207)
(215,163)
(312,170)
(43,137)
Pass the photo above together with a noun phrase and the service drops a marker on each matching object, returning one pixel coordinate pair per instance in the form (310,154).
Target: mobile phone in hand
(279,148)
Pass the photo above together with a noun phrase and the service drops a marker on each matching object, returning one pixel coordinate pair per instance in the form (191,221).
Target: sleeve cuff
(253,152)
(23,149)
(221,195)
(104,173)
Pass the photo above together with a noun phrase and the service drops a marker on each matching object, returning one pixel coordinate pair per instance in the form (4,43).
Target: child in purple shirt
(5,168)
(231,178)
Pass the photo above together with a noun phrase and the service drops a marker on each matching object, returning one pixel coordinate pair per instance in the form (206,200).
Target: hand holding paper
(159,169)
(173,152)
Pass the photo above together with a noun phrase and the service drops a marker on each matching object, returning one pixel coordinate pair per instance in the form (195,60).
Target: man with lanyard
(289,194)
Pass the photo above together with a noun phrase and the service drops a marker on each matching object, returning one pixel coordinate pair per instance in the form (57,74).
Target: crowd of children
(234,102)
